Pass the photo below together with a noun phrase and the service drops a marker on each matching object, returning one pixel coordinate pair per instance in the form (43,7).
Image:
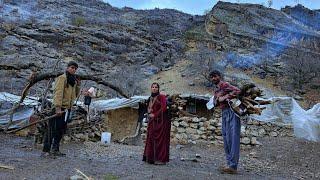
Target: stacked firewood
(79,127)
(177,106)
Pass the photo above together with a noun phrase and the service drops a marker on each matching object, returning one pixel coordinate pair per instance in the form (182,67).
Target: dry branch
(99,80)
(44,76)
(26,126)
(6,167)
(16,66)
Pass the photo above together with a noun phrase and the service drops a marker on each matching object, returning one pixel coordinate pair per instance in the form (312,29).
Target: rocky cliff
(126,46)
(122,45)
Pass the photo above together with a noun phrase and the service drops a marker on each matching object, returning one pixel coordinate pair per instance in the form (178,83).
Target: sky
(200,6)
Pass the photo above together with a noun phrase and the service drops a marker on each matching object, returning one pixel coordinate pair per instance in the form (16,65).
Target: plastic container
(106,138)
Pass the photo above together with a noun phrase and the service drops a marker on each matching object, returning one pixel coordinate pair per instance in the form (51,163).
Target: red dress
(158,132)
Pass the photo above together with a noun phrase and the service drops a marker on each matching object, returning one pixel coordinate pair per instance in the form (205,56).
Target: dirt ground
(277,158)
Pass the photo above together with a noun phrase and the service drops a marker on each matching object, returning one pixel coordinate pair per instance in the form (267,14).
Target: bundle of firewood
(248,104)
(177,106)
(79,123)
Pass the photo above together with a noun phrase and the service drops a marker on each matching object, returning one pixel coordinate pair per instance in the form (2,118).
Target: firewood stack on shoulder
(247,103)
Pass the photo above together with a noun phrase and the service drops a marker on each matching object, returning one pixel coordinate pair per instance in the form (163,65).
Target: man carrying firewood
(230,121)
(66,90)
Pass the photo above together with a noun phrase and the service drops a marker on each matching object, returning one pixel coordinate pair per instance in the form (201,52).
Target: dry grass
(172,82)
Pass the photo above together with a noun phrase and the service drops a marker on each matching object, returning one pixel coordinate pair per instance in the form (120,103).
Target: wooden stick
(6,167)
(82,174)
(26,126)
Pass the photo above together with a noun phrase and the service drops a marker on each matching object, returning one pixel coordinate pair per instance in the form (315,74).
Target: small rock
(261,132)
(253,154)
(67,138)
(245,140)
(184,124)
(202,129)
(173,128)
(195,136)
(219,138)
(194,125)
(298,98)
(195,120)
(179,146)
(204,137)
(274,134)
(181,130)
(200,132)
(254,133)
(176,123)
(191,131)
(213,121)
(254,140)
(243,130)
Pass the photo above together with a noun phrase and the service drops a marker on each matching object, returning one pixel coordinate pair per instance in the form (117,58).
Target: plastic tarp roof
(133,102)
(197,96)
(7,97)
(20,118)
(116,103)
(286,110)
(22,115)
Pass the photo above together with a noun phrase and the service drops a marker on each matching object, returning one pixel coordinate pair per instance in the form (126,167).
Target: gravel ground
(278,158)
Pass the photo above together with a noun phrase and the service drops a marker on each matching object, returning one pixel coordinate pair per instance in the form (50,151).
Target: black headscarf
(71,79)
(155,94)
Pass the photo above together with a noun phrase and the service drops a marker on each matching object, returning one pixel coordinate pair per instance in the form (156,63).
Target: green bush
(193,35)
(79,21)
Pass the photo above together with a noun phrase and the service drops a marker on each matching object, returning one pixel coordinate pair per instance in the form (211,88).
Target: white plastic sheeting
(20,118)
(22,115)
(7,97)
(286,110)
(115,103)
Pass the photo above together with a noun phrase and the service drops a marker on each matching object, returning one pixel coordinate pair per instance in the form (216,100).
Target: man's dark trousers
(231,136)
(56,128)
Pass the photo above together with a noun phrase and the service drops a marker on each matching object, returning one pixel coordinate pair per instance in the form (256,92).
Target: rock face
(125,46)
(251,36)
(253,33)
(304,15)
(122,45)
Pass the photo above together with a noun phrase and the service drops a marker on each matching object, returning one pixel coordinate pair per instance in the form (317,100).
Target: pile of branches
(176,107)
(79,124)
(248,95)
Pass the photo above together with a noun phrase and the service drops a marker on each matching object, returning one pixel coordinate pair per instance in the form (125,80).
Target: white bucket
(106,138)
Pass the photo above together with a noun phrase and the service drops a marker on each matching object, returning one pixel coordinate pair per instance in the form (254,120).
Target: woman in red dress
(156,149)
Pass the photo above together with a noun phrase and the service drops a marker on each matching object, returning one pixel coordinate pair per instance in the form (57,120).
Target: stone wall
(193,130)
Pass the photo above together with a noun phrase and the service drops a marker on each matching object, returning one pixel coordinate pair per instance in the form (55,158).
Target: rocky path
(278,158)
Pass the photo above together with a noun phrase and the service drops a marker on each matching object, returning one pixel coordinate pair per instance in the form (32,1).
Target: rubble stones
(193,130)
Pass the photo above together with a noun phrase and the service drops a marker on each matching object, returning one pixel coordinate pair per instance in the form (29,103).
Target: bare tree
(302,69)
(270,2)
